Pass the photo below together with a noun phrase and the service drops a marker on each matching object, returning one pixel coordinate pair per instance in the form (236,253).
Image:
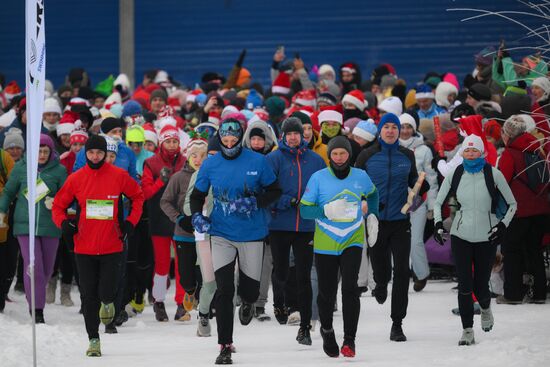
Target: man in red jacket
(98,233)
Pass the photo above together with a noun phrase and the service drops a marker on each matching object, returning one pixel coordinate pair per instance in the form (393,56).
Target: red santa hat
(150,134)
(281,85)
(67,123)
(79,136)
(305,98)
(191,97)
(330,115)
(350,68)
(168,132)
(356,98)
(214,117)
(168,120)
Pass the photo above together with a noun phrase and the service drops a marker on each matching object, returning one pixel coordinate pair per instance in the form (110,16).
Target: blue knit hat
(366,130)
(389,117)
(253,100)
(131,108)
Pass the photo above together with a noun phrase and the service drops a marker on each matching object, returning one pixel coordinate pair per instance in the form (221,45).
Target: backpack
(499,206)
(537,171)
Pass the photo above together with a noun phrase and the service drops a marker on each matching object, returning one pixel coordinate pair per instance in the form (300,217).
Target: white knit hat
(442,92)
(407,119)
(544,84)
(330,115)
(473,141)
(51,105)
(392,105)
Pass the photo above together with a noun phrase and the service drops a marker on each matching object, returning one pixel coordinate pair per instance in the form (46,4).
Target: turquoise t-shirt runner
(333,237)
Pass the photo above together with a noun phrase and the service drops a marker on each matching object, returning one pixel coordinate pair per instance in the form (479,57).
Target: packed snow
(521,337)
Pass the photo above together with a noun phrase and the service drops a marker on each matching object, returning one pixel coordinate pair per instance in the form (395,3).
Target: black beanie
(339,142)
(257,132)
(480,92)
(96,142)
(292,124)
(159,93)
(302,116)
(109,124)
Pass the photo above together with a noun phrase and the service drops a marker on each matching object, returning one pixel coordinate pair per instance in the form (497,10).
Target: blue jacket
(125,159)
(392,169)
(431,113)
(293,168)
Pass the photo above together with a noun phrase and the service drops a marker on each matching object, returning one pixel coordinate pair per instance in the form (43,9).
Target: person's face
(43,154)
(349,106)
(76,147)
(111,157)
(197,158)
(157,104)
(472,102)
(308,132)
(347,77)
(189,106)
(95,155)
(171,145)
(51,117)
(150,146)
(24,117)
(257,143)
(146,81)
(451,98)
(406,131)
(99,102)
(424,103)
(331,123)
(322,104)
(359,140)
(538,92)
(216,109)
(505,138)
(66,94)
(389,133)
(339,156)
(293,139)
(65,140)
(471,153)
(116,132)
(15,152)
(136,147)
(229,141)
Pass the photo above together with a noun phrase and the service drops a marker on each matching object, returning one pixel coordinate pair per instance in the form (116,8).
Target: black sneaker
(111,328)
(304,336)
(39,317)
(420,284)
(396,333)
(121,318)
(281,314)
(160,311)
(380,293)
(225,355)
(329,343)
(246,313)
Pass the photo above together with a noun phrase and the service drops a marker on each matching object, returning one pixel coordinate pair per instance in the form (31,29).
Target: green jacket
(474,219)
(509,78)
(53,175)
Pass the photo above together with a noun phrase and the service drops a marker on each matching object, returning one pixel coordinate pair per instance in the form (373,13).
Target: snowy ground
(521,337)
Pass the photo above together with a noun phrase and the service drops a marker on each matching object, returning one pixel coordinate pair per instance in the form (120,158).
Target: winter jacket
(507,76)
(433,111)
(93,188)
(140,160)
(293,168)
(6,166)
(153,189)
(474,220)
(125,159)
(423,158)
(173,199)
(539,113)
(270,138)
(316,144)
(512,166)
(68,159)
(392,169)
(53,175)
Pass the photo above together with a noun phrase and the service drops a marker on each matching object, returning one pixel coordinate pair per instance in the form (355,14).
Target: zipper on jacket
(299,190)
(388,186)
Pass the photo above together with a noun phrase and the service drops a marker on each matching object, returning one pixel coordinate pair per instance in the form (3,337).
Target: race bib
(100,209)
(350,212)
(41,191)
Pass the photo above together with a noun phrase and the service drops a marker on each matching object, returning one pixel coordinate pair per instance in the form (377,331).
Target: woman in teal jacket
(475,233)
(51,176)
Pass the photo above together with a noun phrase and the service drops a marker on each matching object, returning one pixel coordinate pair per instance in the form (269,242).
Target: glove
(335,209)
(184,222)
(165,173)
(244,205)
(3,222)
(438,233)
(127,230)
(201,223)
(497,233)
(48,202)
(240,60)
(294,202)
(69,228)
(372,229)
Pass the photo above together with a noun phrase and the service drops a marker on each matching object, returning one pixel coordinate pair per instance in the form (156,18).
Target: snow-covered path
(521,337)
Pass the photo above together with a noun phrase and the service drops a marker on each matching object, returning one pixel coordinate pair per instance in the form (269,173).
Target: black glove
(294,202)
(438,233)
(184,221)
(68,229)
(127,230)
(240,60)
(165,173)
(497,233)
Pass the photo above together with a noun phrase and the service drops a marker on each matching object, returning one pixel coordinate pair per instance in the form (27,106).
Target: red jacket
(538,114)
(512,166)
(109,183)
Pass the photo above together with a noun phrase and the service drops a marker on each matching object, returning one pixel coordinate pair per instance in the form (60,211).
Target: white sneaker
(294,318)
(467,337)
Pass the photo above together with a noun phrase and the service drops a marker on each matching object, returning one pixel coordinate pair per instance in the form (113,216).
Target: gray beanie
(14,138)
(292,124)
(514,126)
(339,142)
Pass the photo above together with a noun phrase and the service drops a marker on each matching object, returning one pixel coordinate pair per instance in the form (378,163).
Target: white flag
(35,57)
